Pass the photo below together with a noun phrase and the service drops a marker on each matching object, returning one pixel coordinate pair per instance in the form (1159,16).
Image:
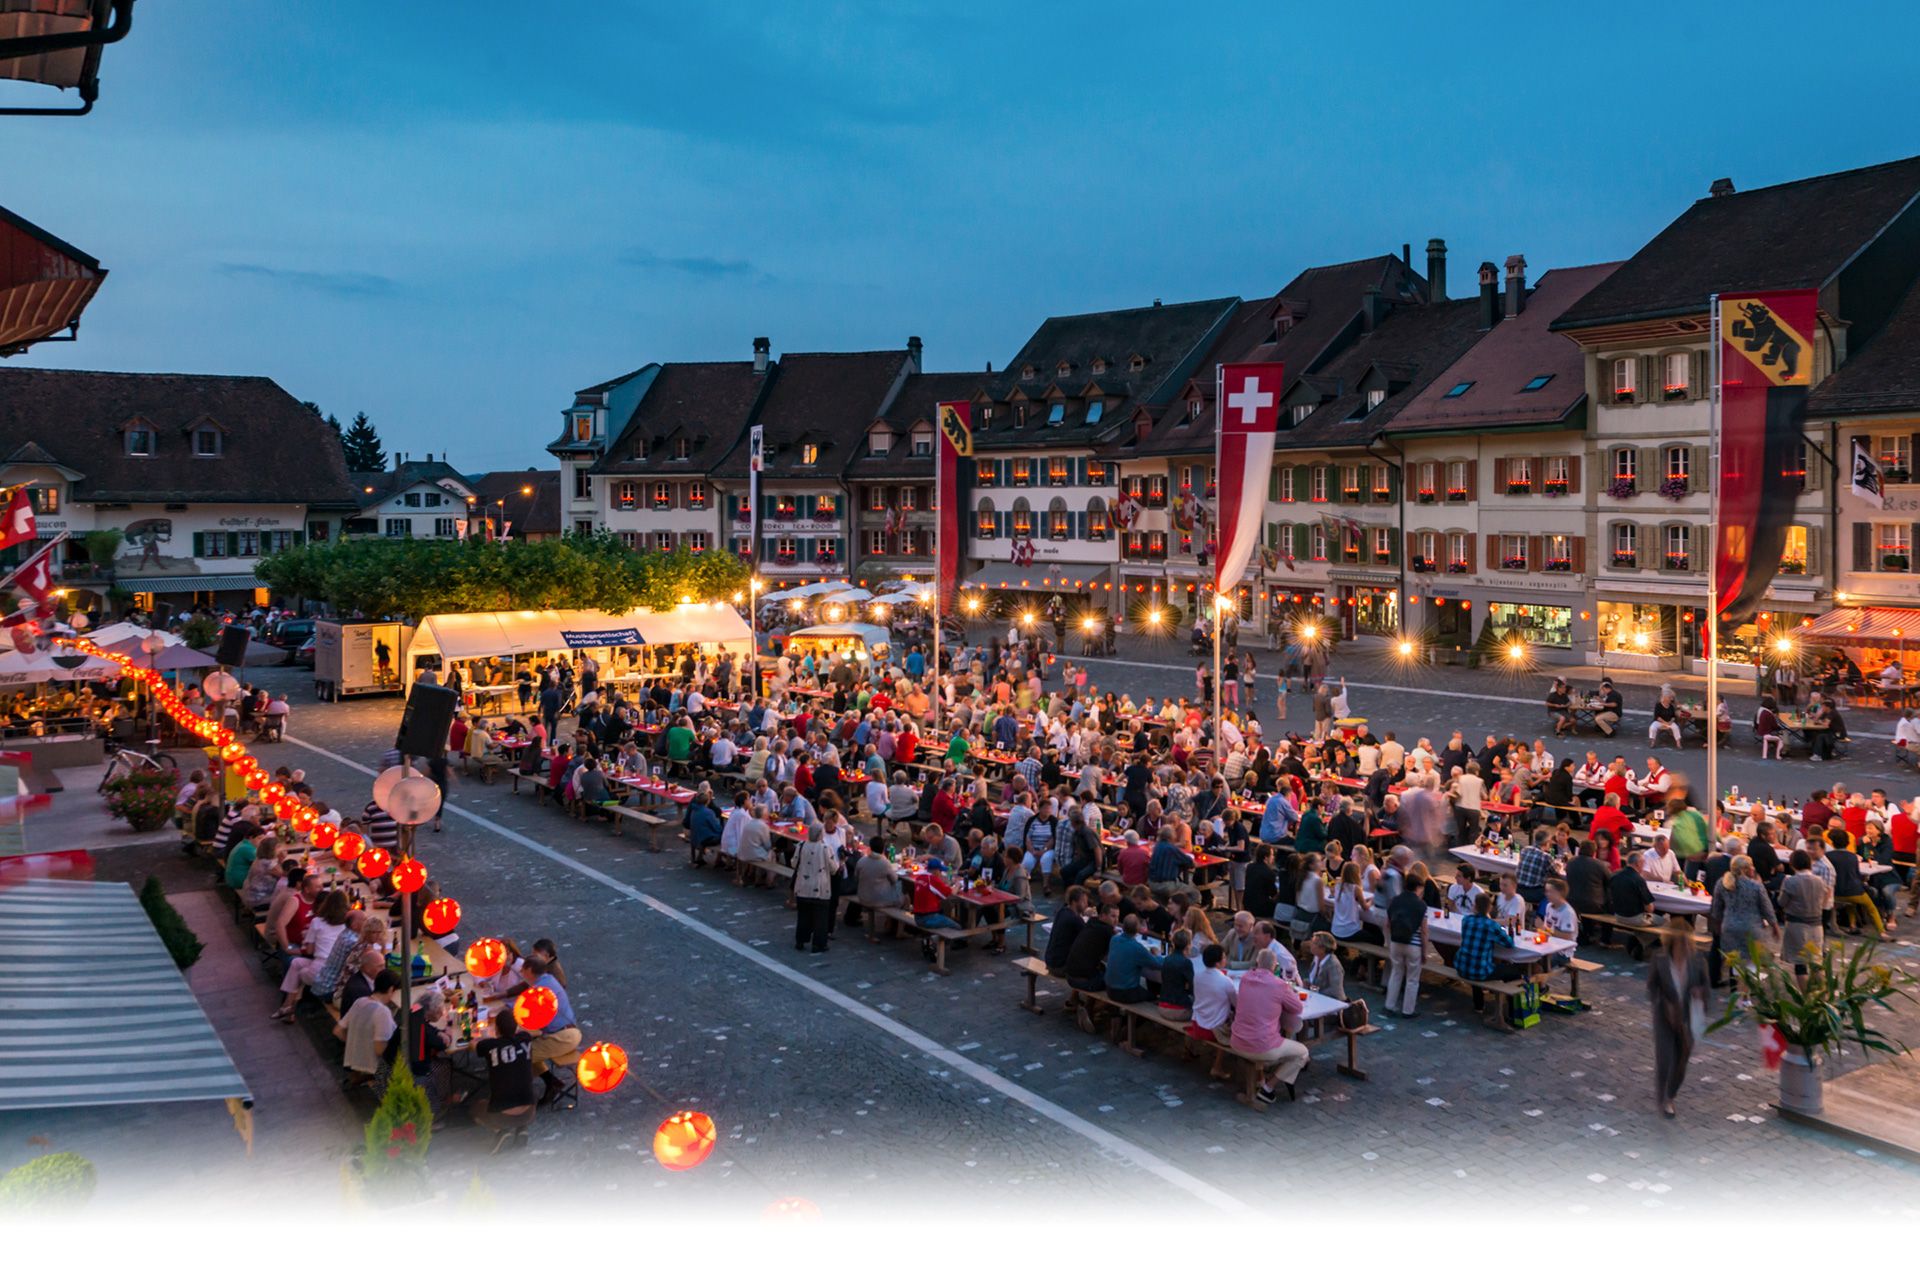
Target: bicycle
(124,761)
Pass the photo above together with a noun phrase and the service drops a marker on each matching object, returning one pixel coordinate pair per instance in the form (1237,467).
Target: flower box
(1422,565)
(1456,495)
(1556,489)
(658,505)
(1895,563)
(1793,566)
(1519,488)
(1558,566)
(1676,561)
(785,558)
(1513,562)
(1622,487)
(1350,495)
(1894,475)
(1426,495)
(1625,560)
(1383,495)
(1458,566)
(1673,488)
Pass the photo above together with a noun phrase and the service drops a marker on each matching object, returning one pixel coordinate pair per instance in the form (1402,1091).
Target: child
(1509,908)
(1558,914)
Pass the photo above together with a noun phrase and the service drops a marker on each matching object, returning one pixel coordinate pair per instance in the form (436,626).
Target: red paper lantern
(283,808)
(534,1008)
(486,958)
(350,846)
(409,875)
(232,752)
(273,791)
(601,1067)
(324,834)
(303,820)
(441,916)
(374,863)
(684,1139)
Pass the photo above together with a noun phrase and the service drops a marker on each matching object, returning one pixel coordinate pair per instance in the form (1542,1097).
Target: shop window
(1549,626)
(1635,628)
(1376,611)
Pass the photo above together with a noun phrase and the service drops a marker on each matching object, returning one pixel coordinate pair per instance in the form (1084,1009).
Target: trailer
(355,658)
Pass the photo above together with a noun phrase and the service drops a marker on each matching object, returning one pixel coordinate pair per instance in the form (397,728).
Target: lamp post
(409,798)
(151,643)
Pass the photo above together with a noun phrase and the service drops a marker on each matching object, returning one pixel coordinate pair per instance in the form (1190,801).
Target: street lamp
(410,799)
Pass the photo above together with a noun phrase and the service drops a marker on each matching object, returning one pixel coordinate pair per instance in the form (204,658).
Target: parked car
(303,656)
(291,633)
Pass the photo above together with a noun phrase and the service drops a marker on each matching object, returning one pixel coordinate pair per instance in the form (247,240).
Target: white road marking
(1111,1143)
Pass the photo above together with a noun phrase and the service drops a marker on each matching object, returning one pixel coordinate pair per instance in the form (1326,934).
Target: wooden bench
(1032,968)
(1640,935)
(940,936)
(488,767)
(541,787)
(1128,1016)
(619,813)
(1577,811)
(1438,971)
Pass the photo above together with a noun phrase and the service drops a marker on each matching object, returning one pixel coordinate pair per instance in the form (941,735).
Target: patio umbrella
(178,657)
(37,668)
(118,633)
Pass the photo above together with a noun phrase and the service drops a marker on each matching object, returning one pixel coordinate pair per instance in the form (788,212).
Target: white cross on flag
(1249,400)
(34,580)
(16,521)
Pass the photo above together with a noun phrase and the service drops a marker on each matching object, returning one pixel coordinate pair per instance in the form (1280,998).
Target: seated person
(1264,1005)
(1087,959)
(1558,914)
(366,1028)
(1628,896)
(507,1104)
(1176,977)
(1128,962)
(1464,891)
(1480,937)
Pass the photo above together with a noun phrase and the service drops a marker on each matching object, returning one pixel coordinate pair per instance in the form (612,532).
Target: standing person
(1803,899)
(1741,909)
(814,866)
(1407,942)
(1322,711)
(1249,681)
(1677,988)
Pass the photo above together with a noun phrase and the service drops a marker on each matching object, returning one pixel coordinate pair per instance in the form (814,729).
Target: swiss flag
(34,579)
(1248,405)
(16,522)
(1773,1046)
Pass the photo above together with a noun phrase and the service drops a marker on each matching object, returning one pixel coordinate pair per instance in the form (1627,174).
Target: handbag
(1526,1005)
(1354,1016)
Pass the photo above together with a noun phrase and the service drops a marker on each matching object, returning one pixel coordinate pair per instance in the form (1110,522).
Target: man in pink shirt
(1263,1006)
(1133,860)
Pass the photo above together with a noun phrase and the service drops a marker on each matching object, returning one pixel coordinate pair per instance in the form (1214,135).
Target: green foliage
(61,1180)
(400,1130)
(200,632)
(102,545)
(412,578)
(1489,646)
(1830,1008)
(183,944)
(144,799)
(361,444)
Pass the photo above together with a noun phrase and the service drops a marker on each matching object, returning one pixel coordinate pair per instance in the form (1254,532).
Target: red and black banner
(1766,368)
(955,418)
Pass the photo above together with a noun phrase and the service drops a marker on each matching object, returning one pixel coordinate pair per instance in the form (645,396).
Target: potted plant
(1894,475)
(394,1160)
(1673,488)
(1624,560)
(1814,1018)
(1894,561)
(1793,566)
(144,798)
(1519,488)
(1622,487)
(1427,495)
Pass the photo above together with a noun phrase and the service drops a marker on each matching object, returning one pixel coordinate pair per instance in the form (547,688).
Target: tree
(362,444)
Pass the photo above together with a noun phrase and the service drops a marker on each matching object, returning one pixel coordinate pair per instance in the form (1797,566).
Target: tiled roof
(1168,337)
(1884,377)
(823,398)
(1409,349)
(273,448)
(707,404)
(1795,235)
(371,488)
(918,396)
(1507,358)
(537,512)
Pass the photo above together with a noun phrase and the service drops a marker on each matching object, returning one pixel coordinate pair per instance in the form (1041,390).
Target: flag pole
(939,585)
(1219,411)
(1712,806)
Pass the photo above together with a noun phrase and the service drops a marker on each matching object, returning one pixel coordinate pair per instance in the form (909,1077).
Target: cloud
(344,284)
(700,267)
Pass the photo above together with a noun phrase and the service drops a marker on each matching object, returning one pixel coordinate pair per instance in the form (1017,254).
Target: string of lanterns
(602,1066)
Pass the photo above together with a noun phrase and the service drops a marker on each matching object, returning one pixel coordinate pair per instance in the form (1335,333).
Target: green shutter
(199,545)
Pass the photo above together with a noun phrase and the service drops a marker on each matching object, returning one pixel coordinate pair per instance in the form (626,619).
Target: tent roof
(1873,626)
(865,633)
(18,668)
(93,1011)
(483,635)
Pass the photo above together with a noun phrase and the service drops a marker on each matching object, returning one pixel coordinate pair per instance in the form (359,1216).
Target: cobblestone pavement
(853,1076)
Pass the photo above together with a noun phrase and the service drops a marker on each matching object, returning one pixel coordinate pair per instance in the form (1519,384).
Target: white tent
(848,595)
(457,637)
(115,633)
(897,597)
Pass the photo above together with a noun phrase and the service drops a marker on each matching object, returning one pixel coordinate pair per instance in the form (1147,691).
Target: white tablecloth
(1526,950)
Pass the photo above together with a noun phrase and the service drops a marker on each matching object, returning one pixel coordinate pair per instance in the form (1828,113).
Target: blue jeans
(935,921)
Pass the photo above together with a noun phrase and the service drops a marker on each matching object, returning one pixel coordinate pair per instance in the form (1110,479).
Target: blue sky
(453,229)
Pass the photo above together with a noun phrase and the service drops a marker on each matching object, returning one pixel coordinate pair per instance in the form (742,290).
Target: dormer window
(923,442)
(139,442)
(582,426)
(809,455)
(1028,373)
(1376,397)
(1099,364)
(879,442)
(1094,409)
(1064,368)
(206,442)
(1301,412)
(1193,409)
(1136,363)
(1020,415)
(682,450)
(1056,413)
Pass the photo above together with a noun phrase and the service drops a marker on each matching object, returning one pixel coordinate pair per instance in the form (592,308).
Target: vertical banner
(956,443)
(756,459)
(1249,413)
(1766,368)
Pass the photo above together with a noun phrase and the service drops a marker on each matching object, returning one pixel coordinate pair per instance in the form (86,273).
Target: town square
(594,695)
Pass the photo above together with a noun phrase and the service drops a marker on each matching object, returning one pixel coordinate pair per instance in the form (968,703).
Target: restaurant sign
(600,639)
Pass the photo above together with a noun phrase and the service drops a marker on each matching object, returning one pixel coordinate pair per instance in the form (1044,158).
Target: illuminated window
(1679,379)
(809,455)
(1626,378)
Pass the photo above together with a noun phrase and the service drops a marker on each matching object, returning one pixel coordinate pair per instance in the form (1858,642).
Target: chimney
(913,353)
(1436,270)
(1489,295)
(1721,187)
(1406,255)
(1516,285)
(399,459)
(1370,308)
(762,348)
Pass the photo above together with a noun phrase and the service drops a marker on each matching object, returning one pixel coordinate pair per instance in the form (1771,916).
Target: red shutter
(1499,475)
(1577,554)
(1535,544)
(1473,480)
(1470,549)
(1493,551)
(1573,474)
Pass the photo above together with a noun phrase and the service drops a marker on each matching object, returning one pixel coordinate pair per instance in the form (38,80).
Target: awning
(210,582)
(44,283)
(1874,626)
(1042,575)
(18,668)
(459,636)
(93,1011)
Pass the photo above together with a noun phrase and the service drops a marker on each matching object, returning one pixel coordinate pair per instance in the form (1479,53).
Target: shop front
(1367,609)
